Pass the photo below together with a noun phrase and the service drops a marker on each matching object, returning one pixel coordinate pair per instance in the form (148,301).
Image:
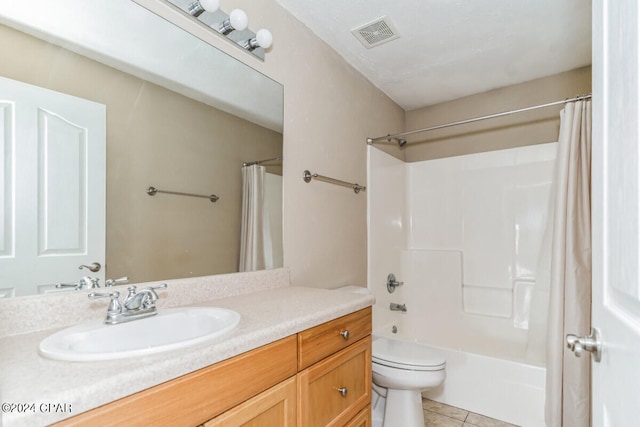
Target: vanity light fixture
(233,26)
(199,6)
(237,20)
(262,39)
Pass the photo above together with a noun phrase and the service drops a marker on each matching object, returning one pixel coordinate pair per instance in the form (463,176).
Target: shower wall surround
(464,234)
(492,207)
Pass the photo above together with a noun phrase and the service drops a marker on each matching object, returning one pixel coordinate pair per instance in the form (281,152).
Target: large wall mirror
(179,115)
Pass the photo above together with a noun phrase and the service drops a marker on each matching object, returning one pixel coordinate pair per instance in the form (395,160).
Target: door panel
(62,213)
(616,211)
(53,187)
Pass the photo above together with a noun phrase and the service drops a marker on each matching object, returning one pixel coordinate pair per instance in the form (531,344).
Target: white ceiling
(452,48)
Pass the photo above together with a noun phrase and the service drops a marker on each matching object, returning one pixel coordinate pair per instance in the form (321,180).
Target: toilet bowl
(403,370)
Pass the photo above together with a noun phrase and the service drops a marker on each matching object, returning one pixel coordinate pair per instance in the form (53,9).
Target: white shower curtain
(568,377)
(255,238)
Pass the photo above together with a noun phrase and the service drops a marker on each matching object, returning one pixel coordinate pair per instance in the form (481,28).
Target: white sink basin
(170,329)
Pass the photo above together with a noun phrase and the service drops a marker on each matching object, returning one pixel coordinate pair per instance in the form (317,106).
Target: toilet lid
(408,355)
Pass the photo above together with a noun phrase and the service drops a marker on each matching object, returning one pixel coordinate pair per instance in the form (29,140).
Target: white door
(52,187)
(616,212)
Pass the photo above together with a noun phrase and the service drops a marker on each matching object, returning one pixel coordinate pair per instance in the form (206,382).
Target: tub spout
(398,307)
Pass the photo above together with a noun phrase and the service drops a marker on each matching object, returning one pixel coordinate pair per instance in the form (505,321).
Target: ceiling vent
(376,32)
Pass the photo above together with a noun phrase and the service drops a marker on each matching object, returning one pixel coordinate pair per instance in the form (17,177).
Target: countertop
(45,391)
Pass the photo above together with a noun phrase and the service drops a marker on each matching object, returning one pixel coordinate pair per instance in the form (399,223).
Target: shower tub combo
(465,236)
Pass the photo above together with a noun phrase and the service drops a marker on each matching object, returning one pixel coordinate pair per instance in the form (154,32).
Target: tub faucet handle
(392,283)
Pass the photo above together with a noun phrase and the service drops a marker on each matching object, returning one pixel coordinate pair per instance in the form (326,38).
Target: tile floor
(441,415)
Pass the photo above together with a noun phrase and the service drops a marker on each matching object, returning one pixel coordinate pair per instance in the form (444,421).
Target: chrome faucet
(86,282)
(398,307)
(137,305)
(143,299)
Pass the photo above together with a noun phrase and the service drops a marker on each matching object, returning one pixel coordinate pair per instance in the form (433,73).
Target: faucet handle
(114,304)
(96,295)
(392,283)
(153,297)
(76,285)
(113,282)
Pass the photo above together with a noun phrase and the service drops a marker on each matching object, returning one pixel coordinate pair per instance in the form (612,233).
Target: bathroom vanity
(299,357)
(318,377)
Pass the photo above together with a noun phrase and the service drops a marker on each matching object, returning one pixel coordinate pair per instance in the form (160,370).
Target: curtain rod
(401,142)
(258,162)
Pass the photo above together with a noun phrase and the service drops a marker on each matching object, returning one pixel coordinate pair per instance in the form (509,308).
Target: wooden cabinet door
(275,407)
(336,389)
(363,419)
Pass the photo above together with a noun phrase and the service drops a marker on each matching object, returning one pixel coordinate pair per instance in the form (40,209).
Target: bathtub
(485,374)
(507,390)
(492,367)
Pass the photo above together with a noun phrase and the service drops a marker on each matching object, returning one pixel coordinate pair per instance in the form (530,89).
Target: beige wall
(329,110)
(155,137)
(528,128)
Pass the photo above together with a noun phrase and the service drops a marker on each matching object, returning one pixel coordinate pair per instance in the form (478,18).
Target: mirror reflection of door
(52,188)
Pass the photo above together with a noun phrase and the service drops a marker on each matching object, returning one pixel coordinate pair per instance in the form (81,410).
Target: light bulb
(198,7)
(264,38)
(210,5)
(238,19)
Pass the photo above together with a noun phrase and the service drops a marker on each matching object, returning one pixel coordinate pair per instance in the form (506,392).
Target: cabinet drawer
(335,390)
(316,343)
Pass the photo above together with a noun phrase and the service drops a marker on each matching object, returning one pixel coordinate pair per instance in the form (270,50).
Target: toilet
(401,371)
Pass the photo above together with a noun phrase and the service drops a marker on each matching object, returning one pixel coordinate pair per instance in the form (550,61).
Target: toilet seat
(406,355)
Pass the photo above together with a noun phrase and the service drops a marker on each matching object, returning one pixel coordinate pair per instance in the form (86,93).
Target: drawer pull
(345,334)
(343,391)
